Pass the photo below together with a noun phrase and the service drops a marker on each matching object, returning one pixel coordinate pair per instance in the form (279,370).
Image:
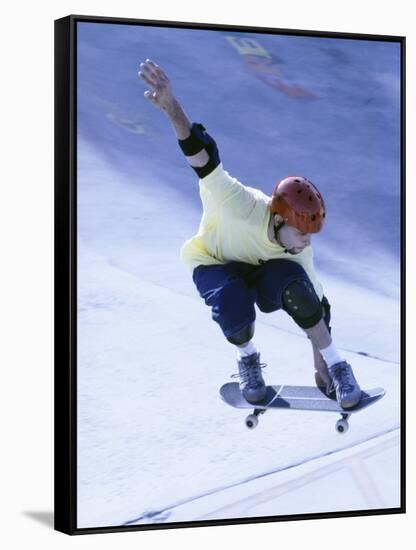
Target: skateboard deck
(307,398)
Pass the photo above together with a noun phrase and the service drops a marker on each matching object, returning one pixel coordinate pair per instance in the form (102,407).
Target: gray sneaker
(252,385)
(345,385)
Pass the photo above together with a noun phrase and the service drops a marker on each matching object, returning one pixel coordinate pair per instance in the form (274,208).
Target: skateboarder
(254,249)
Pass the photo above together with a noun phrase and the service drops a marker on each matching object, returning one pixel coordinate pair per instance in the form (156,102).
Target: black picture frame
(66,330)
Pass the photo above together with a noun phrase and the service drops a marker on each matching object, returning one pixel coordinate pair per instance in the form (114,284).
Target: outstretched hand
(160,95)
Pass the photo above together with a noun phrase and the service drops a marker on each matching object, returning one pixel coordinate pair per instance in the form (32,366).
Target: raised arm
(198,147)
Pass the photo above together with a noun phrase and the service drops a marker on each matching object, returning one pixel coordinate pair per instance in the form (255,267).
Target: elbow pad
(195,143)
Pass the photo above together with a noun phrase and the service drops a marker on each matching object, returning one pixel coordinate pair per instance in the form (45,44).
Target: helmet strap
(276,229)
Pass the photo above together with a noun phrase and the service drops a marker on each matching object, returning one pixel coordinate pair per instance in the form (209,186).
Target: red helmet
(299,203)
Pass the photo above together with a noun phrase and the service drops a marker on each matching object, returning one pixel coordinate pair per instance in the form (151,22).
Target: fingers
(153,72)
(147,76)
(151,97)
(160,94)
(154,69)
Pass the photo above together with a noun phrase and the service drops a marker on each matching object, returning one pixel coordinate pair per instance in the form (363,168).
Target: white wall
(27,265)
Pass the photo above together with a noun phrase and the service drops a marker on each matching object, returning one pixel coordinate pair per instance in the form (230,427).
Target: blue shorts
(232,289)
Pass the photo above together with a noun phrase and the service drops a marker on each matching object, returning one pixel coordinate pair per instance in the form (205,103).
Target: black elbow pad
(195,143)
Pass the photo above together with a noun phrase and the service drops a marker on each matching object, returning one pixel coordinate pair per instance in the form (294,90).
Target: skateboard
(306,398)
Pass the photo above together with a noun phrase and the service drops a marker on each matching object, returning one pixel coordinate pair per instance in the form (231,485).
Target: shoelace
(250,372)
(345,377)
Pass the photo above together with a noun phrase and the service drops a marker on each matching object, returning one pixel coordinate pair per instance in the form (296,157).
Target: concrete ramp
(363,471)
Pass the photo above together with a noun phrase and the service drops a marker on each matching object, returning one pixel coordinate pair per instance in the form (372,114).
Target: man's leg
(302,303)
(274,278)
(284,284)
(300,300)
(232,303)
(230,299)
(243,340)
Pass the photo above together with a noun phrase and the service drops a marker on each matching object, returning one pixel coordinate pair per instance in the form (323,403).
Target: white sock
(248,349)
(331,355)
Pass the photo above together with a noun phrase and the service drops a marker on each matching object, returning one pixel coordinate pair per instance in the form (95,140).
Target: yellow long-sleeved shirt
(234,227)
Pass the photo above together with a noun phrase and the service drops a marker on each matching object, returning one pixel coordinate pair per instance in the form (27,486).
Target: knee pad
(301,302)
(243,336)
(326,312)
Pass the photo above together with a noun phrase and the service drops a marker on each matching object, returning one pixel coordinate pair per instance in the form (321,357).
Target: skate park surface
(155,442)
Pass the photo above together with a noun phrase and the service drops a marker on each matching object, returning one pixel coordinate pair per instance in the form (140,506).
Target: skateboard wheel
(342,426)
(251,421)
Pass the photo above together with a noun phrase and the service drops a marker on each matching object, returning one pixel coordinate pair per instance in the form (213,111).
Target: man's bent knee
(301,302)
(242,336)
